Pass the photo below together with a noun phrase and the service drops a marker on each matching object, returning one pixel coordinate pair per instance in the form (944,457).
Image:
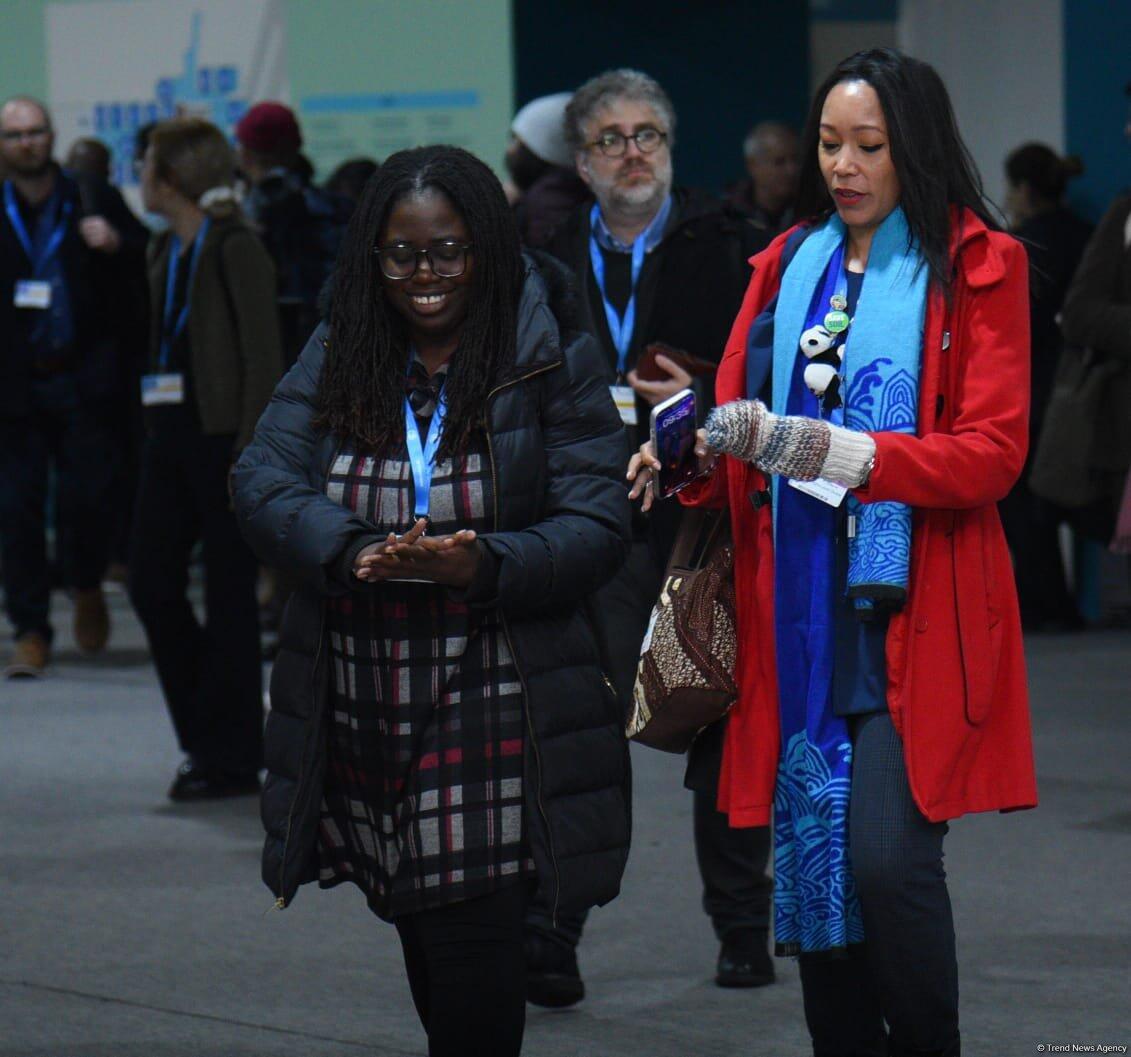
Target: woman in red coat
(873,408)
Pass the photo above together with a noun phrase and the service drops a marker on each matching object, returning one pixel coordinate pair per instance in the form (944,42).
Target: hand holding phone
(673,441)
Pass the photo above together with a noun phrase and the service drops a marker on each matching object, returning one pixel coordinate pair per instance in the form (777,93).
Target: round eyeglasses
(399,260)
(613,144)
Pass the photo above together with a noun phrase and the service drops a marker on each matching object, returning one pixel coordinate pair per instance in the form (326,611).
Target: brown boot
(92,620)
(29,658)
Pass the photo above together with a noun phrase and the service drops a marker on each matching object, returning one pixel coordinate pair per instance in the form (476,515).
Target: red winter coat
(955,666)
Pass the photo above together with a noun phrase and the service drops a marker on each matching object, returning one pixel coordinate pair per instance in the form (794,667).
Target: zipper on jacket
(510,644)
(281,902)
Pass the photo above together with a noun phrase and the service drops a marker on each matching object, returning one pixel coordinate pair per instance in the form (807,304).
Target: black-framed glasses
(613,144)
(399,260)
(16,134)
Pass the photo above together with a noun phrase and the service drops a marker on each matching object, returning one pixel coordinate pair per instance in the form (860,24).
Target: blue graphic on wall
(207,91)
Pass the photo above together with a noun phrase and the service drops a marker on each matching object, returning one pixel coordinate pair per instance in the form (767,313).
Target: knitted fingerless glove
(801,448)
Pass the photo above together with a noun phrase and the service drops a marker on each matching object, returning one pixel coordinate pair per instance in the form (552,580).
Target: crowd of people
(415,402)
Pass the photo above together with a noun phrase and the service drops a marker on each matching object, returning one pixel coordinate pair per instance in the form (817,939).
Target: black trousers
(732,862)
(210,674)
(1032,529)
(467,974)
(905,974)
(75,439)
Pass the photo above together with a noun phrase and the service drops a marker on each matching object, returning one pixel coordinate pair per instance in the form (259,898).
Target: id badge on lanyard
(620,327)
(163,386)
(34,292)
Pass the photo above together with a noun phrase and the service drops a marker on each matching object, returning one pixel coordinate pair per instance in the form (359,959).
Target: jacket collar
(973,250)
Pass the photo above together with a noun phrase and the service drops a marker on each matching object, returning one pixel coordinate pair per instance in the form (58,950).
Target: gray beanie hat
(541,126)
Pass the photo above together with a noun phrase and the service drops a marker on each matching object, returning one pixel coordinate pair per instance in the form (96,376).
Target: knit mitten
(793,446)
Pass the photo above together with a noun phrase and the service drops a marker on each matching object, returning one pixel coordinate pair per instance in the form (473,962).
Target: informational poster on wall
(366,78)
(378,76)
(115,66)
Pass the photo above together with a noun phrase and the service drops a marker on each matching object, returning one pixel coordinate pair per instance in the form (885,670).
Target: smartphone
(673,440)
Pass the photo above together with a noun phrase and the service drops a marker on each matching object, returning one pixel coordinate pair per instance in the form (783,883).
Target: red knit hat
(269,128)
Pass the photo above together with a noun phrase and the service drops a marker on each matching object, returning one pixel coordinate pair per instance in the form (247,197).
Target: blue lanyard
(171,330)
(619,328)
(18,226)
(423,459)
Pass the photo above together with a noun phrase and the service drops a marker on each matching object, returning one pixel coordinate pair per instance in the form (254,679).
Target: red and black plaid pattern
(422,804)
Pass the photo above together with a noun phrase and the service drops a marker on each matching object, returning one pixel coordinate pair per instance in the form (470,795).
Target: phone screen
(673,437)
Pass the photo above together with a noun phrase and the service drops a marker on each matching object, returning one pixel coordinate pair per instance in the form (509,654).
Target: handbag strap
(699,531)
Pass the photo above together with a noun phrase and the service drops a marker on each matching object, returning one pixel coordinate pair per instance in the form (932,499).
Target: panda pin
(823,346)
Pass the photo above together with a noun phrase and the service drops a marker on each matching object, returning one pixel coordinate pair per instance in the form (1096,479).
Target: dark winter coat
(1097,314)
(557,454)
(108,299)
(690,287)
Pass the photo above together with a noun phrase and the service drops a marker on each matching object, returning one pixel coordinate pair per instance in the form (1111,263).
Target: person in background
(769,191)
(1055,237)
(348,180)
(546,187)
(880,662)
(71,254)
(300,224)
(214,359)
(1097,315)
(440,470)
(661,271)
(89,156)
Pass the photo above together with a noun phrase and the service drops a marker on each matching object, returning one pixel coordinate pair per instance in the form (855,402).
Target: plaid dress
(422,803)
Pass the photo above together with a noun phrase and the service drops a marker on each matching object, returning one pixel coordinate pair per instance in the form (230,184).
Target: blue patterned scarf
(815,903)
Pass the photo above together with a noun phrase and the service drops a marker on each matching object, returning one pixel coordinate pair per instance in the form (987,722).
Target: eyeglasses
(14,135)
(401,259)
(614,144)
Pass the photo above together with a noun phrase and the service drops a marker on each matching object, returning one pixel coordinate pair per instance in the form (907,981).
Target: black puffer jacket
(558,455)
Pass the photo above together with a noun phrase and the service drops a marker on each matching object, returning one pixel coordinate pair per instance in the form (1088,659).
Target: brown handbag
(685,680)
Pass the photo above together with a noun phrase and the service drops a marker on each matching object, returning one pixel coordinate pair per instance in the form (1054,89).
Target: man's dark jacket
(691,285)
(108,299)
(562,524)
(690,290)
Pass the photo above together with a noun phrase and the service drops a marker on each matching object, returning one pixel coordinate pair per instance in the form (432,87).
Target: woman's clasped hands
(449,560)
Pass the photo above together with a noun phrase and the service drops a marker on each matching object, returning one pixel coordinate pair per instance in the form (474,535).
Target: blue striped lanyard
(423,457)
(170,329)
(18,226)
(620,328)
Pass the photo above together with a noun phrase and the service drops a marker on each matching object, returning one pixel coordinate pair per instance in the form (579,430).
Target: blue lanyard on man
(172,329)
(51,245)
(423,457)
(620,327)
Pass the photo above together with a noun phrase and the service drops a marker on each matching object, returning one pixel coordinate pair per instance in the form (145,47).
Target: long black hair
(934,166)
(361,392)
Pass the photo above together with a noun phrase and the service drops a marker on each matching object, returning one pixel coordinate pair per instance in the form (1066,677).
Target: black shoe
(744,961)
(197,782)
(552,977)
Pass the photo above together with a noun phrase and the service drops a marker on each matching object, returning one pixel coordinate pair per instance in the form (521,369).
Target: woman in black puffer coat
(442,472)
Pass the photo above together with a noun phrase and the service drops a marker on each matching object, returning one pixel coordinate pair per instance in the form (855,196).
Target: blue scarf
(815,903)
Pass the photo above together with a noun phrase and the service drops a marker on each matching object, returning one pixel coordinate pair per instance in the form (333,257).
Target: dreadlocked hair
(361,392)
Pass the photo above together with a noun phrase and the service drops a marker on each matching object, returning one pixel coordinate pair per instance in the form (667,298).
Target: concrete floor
(133,928)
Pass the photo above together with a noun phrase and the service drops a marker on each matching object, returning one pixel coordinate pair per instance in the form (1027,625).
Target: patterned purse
(685,679)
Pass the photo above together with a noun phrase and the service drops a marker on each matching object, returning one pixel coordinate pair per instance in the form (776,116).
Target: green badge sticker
(836,322)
